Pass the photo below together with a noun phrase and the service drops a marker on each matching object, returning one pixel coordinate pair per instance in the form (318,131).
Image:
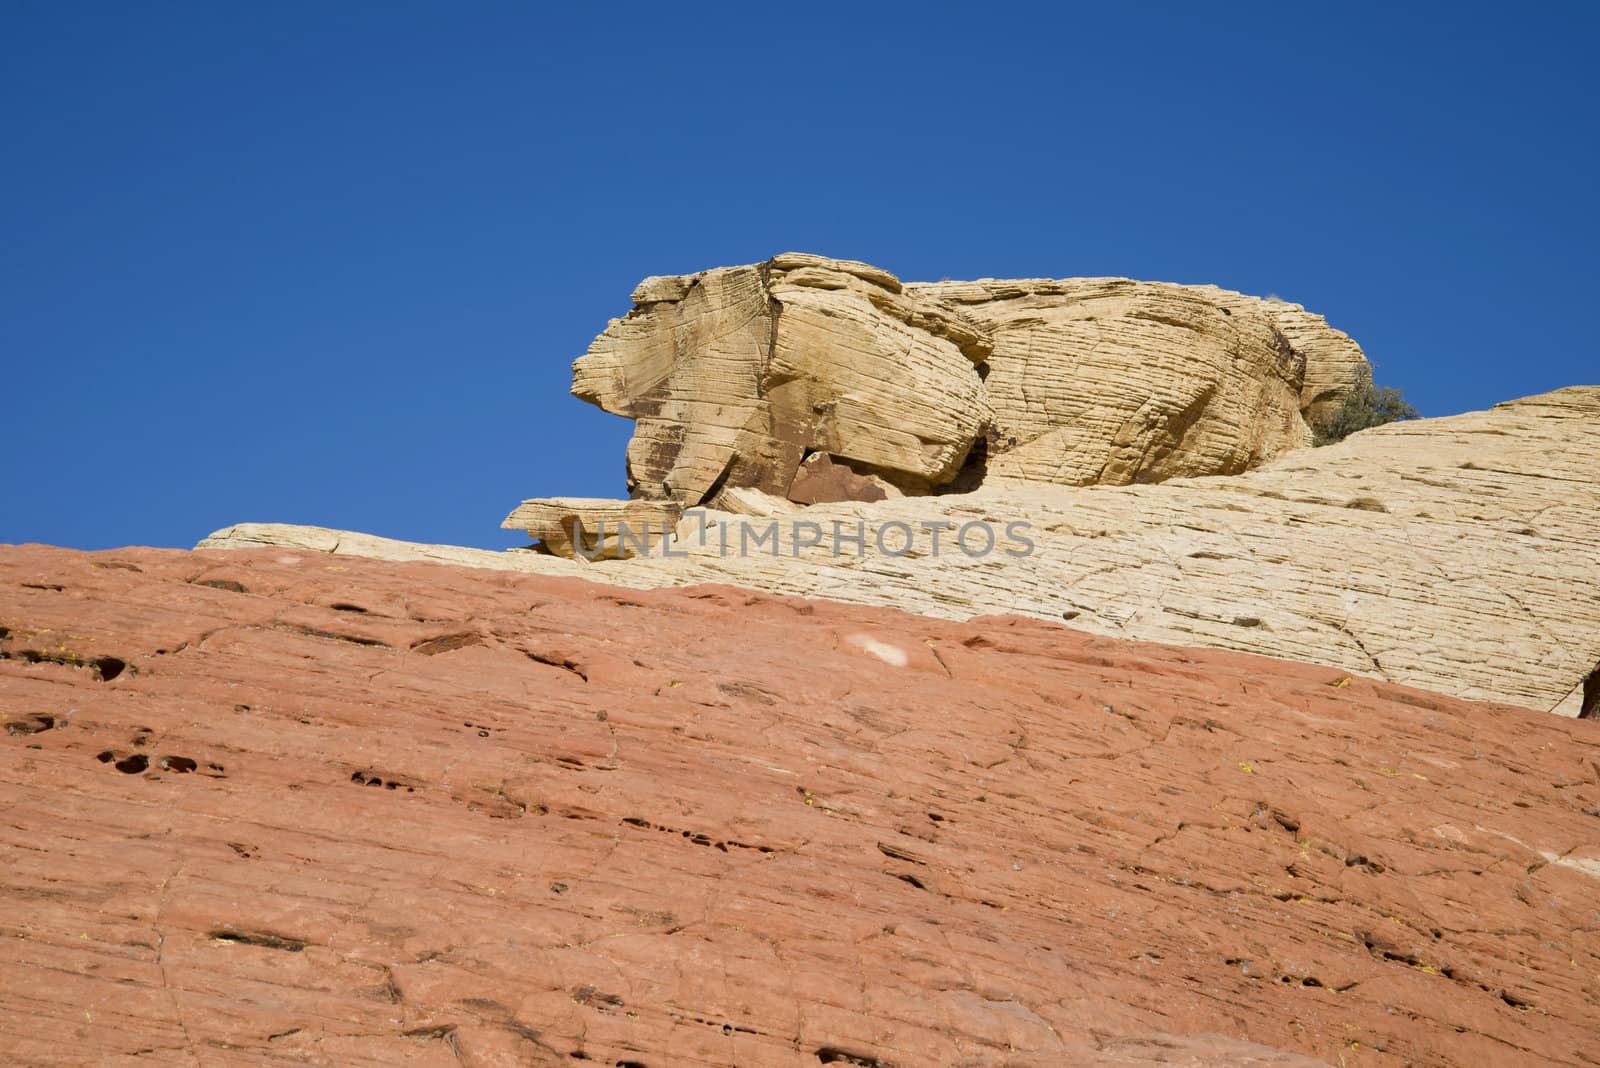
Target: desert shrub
(1366,407)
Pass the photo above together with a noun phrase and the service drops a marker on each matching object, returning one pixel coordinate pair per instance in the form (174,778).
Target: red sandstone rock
(261,808)
(820,479)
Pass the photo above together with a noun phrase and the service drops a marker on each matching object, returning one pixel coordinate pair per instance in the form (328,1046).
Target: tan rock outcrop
(595,528)
(1108,380)
(825,380)
(1455,554)
(1335,365)
(734,375)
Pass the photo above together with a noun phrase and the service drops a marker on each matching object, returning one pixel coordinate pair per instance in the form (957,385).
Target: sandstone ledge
(1455,554)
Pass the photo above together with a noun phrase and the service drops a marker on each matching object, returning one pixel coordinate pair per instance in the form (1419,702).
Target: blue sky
(330,264)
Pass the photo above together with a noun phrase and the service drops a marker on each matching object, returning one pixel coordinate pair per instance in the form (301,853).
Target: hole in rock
(223,584)
(264,939)
(446,643)
(132,765)
(834,1055)
(33,724)
(109,667)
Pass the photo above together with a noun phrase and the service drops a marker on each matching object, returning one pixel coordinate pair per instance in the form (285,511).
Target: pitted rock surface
(281,807)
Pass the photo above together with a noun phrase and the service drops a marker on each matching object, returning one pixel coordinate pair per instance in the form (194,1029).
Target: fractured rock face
(1112,381)
(826,380)
(1335,365)
(820,480)
(736,375)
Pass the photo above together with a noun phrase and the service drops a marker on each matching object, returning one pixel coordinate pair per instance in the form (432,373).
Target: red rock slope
(264,809)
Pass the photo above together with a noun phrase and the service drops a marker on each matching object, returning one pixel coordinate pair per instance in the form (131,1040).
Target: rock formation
(1111,381)
(1454,554)
(735,376)
(576,526)
(274,806)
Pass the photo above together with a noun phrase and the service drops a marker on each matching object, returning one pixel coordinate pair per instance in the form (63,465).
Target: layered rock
(1112,381)
(595,528)
(1335,364)
(1454,554)
(282,807)
(736,377)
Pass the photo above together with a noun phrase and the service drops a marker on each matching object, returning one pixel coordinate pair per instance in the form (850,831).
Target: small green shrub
(1366,407)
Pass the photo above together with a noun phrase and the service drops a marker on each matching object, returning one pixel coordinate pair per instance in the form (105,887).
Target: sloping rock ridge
(1455,554)
(281,807)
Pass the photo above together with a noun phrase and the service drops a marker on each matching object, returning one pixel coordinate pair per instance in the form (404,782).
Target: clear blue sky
(330,263)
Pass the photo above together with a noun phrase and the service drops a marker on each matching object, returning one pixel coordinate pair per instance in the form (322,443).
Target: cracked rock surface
(735,375)
(1456,554)
(281,807)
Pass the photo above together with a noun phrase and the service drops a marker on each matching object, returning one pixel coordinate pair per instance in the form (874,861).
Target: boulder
(1112,381)
(736,376)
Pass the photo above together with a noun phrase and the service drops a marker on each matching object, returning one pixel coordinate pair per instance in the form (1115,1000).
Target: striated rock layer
(276,807)
(733,375)
(1455,554)
(736,375)
(1111,381)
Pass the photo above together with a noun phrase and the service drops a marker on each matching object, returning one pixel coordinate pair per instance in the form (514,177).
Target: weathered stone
(1108,380)
(733,375)
(1455,554)
(820,480)
(1335,365)
(746,500)
(277,807)
(594,528)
